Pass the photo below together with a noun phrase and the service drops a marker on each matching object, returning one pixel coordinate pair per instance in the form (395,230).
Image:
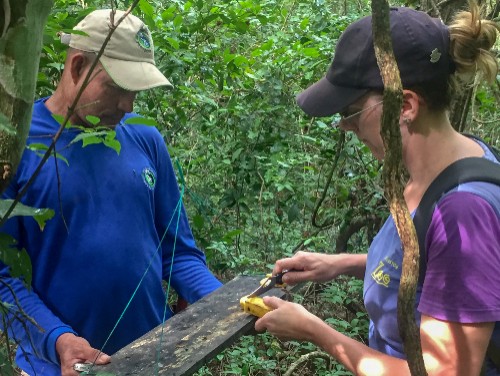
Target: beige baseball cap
(129,55)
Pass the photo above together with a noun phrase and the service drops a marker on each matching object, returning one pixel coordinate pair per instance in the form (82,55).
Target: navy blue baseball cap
(420,43)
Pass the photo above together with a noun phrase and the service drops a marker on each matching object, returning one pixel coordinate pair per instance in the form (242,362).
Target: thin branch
(19,307)
(7,15)
(436,9)
(442,3)
(56,163)
(304,358)
(340,145)
(495,11)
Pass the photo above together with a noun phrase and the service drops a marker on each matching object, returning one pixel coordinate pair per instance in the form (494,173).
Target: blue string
(178,210)
(158,351)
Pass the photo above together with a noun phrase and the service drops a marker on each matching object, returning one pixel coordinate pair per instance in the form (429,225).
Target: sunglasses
(348,119)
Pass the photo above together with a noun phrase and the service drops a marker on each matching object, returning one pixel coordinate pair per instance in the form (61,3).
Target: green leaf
(146,8)
(41,149)
(17,260)
(139,120)
(37,148)
(240,60)
(113,144)
(210,18)
(89,138)
(173,42)
(94,120)
(293,213)
(178,21)
(58,66)
(311,52)
(232,234)
(304,23)
(40,215)
(59,118)
(169,13)
(198,221)
(241,27)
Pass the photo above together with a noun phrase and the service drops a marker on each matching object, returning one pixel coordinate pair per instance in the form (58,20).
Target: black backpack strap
(461,171)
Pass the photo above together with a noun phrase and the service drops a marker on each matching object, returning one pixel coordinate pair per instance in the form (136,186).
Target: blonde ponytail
(471,41)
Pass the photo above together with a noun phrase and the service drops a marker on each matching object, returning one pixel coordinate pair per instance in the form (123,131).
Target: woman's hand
(319,267)
(287,320)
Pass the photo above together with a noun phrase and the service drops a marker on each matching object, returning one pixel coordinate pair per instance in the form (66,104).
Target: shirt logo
(143,38)
(380,277)
(149,178)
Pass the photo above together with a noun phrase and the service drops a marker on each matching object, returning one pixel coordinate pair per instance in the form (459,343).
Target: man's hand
(72,349)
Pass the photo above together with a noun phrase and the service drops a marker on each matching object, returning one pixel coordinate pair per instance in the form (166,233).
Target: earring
(407,121)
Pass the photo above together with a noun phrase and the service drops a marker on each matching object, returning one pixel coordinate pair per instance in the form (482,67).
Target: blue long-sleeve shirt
(111,212)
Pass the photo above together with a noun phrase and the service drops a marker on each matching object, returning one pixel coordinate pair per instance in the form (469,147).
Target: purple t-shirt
(462,281)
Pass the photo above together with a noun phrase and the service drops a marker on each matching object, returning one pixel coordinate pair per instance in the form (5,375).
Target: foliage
(254,164)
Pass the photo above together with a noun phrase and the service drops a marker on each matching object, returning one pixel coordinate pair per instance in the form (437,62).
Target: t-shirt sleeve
(462,281)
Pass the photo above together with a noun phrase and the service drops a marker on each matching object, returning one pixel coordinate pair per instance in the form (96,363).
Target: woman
(458,306)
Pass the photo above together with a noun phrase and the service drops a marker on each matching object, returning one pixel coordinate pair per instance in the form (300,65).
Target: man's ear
(77,67)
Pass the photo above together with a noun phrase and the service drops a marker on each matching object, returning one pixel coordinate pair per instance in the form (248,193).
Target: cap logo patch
(435,55)
(143,39)
(149,178)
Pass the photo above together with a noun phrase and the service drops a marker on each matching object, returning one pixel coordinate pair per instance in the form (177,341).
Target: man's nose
(126,102)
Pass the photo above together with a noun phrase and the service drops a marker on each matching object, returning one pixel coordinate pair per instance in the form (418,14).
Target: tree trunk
(393,174)
(21,31)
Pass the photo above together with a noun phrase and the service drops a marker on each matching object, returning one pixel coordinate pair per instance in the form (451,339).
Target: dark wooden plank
(192,337)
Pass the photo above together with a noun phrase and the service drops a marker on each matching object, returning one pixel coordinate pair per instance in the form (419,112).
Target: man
(119,224)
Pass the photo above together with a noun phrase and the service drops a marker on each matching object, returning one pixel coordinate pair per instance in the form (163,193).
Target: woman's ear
(410,108)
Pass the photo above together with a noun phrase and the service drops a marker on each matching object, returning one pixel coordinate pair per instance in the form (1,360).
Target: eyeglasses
(349,118)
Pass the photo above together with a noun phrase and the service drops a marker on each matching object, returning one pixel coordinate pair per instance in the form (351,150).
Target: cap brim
(134,75)
(326,99)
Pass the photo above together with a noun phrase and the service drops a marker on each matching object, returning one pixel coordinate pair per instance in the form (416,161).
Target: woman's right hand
(315,267)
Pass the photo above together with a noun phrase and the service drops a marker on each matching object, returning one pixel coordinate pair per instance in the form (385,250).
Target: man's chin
(112,124)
